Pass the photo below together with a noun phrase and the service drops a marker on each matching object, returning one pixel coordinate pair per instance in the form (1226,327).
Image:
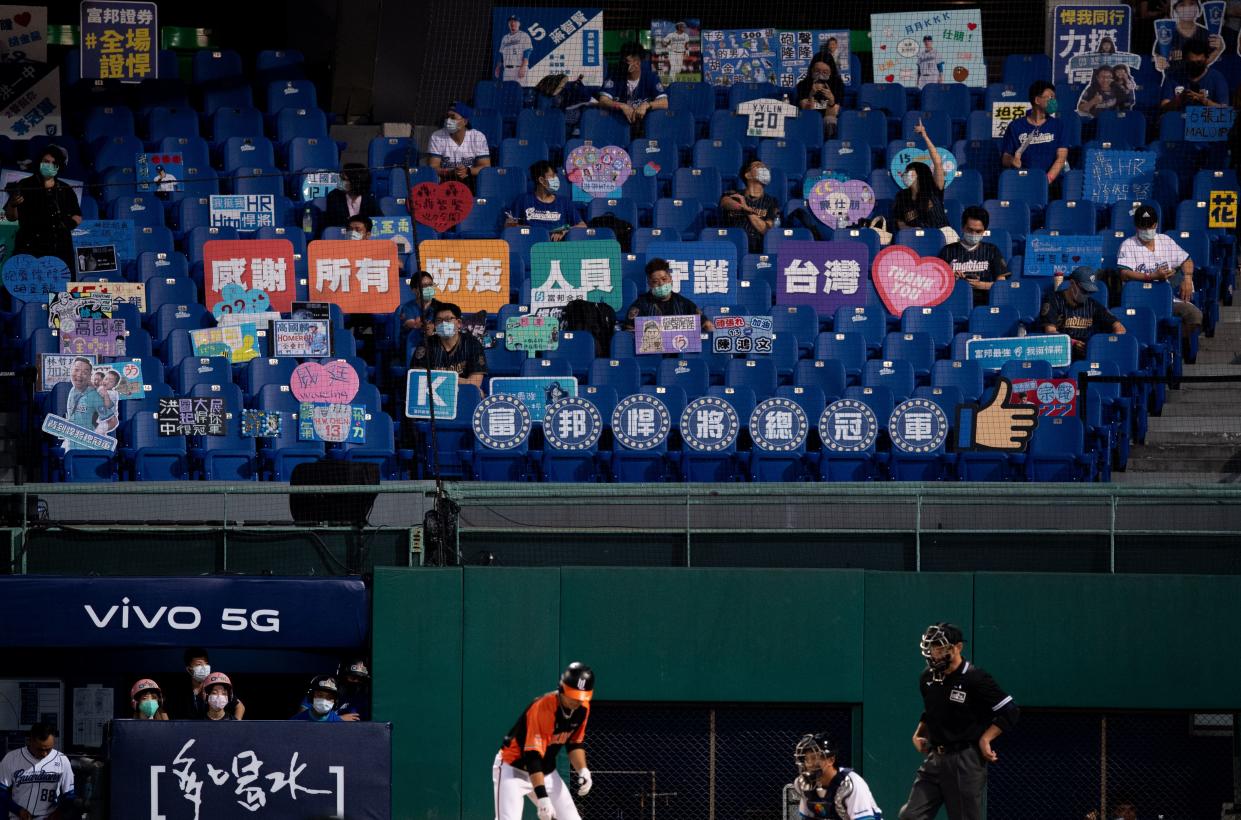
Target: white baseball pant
(511,785)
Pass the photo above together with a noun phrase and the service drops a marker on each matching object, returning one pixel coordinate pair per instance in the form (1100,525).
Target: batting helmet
(323,683)
(144,685)
(218,677)
(578,682)
(817,745)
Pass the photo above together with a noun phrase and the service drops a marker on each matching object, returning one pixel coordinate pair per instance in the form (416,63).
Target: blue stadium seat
(230,457)
(258,180)
(230,122)
(454,438)
(386,153)
(241,152)
(1123,129)
(799,321)
(1057,451)
(378,449)
(916,348)
(672,126)
(229,95)
(842,156)
(787,155)
(936,322)
(149,456)
(879,399)
(622,375)
(664,154)
(1025,297)
(313,153)
(951,98)
(109,121)
(754,297)
(701,184)
(696,98)
(282,94)
(1011,216)
(995,321)
(577,350)
(739,93)
(742,399)
(172,122)
(888,97)
(143,209)
(195,151)
(604,128)
(948,399)
(690,374)
(300,122)
(938,125)
(1070,217)
(216,65)
(726,125)
(483,221)
(925,241)
(684,216)
(807,128)
(191,372)
(272,61)
(260,372)
(1021,70)
(826,374)
(897,375)
(169,317)
(978,126)
(1022,185)
(870,321)
(758,375)
(1016,371)
(863,127)
(982,156)
(115,152)
(547,368)
(505,96)
(165,266)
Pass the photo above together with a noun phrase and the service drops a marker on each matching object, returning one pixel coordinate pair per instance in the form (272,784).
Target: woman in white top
(457,151)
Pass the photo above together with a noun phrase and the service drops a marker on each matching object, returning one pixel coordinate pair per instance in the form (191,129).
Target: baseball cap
(513,17)
(680,22)
(1084,277)
(463,109)
(1144,216)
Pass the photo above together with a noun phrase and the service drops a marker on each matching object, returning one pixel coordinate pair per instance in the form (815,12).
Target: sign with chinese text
(918,426)
(531,333)
(572,424)
(191,417)
(103,337)
(993,353)
(440,205)
(798,48)
(1003,113)
(598,171)
(361,276)
(705,272)
(29,98)
(1053,397)
(917,48)
(472,273)
(1086,37)
(262,265)
(398,229)
(824,275)
(739,56)
(1119,176)
(78,437)
(535,392)
(641,422)
(119,40)
(245,212)
(119,233)
(903,279)
(31,278)
(848,426)
(335,382)
(1222,211)
(23,34)
(237,343)
(318,184)
(160,172)
(528,43)
(668,334)
(501,422)
(1208,124)
(563,271)
(742,334)
(919,153)
(709,424)
(1059,255)
(840,204)
(121,293)
(779,425)
(54,368)
(301,339)
(421,391)
(338,423)
(68,306)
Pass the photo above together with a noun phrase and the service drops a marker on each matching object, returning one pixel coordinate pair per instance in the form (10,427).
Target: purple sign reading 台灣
(823,275)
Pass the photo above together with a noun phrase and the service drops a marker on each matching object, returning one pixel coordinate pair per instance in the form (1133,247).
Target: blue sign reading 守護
(641,422)
(535,392)
(778,425)
(119,40)
(572,423)
(1059,255)
(1208,124)
(116,232)
(501,422)
(709,424)
(530,43)
(848,426)
(1119,176)
(217,611)
(194,770)
(918,426)
(705,272)
(443,391)
(245,212)
(1054,348)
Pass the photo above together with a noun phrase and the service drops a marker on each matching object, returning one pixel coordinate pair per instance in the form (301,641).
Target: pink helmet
(144,685)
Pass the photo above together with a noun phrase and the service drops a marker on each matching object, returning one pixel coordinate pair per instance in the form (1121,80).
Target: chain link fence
(701,762)
(1103,765)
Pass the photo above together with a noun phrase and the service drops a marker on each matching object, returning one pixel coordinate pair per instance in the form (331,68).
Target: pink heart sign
(598,171)
(903,279)
(335,382)
(440,205)
(840,204)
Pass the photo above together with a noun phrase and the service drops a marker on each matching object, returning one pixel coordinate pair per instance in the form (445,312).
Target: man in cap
(525,766)
(1071,311)
(1150,256)
(964,710)
(515,48)
(458,152)
(324,695)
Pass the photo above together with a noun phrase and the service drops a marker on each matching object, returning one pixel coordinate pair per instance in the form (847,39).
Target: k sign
(216,612)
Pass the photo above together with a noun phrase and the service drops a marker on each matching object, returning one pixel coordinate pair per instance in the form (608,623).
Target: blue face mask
(553,184)
(49,169)
(662,291)
(1052,106)
(428,294)
(446,330)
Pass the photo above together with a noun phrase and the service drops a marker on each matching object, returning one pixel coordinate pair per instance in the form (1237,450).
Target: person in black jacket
(352,198)
(46,209)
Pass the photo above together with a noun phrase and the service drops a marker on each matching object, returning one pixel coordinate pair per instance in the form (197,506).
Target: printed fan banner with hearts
(918,48)
(904,280)
(258,275)
(598,171)
(24,33)
(440,206)
(841,204)
(334,382)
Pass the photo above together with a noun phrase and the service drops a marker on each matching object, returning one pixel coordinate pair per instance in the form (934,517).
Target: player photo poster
(676,50)
(917,48)
(530,43)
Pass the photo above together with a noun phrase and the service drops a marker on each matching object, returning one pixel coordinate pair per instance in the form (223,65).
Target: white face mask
(217,701)
(1147,234)
(910,177)
(451,125)
(323,705)
(552,183)
(355,234)
(763,176)
(971,240)
(201,672)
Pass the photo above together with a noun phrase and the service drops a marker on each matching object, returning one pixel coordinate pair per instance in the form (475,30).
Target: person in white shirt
(827,791)
(1150,256)
(515,48)
(36,780)
(928,64)
(676,44)
(457,151)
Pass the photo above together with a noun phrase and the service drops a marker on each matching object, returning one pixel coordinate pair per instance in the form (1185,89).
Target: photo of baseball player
(37,779)
(515,49)
(828,791)
(525,766)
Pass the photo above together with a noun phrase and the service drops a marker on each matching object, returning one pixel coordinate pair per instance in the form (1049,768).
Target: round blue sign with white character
(709,424)
(778,425)
(641,422)
(848,426)
(501,422)
(918,426)
(572,424)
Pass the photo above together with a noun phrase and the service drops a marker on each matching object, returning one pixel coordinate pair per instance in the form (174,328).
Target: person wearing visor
(147,699)
(525,766)
(450,349)
(322,698)
(1071,311)
(964,710)
(826,790)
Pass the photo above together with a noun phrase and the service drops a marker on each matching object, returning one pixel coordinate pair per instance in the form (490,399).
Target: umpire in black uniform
(964,709)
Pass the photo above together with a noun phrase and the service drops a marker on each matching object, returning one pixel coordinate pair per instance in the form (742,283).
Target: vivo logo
(183,617)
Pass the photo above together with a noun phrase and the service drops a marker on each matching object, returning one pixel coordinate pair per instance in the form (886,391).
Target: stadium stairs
(1197,439)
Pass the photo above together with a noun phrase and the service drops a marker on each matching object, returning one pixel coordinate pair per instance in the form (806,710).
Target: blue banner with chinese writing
(1085,37)
(119,40)
(528,43)
(1059,255)
(202,770)
(1119,176)
(704,272)
(29,100)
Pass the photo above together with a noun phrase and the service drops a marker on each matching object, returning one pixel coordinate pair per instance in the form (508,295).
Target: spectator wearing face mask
(921,203)
(418,314)
(1073,312)
(352,197)
(751,208)
(450,349)
(634,89)
(46,210)
(1151,256)
(822,90)
(1194,82)
(198,667)
(457,151)
(973,260)
(1187,31)
(661,300)
(1036,141)
(546,207)
(359,227)
(217,694)
(148,700)
(354,679)
(321,700)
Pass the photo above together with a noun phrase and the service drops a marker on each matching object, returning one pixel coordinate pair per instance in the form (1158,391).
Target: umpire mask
(939,635)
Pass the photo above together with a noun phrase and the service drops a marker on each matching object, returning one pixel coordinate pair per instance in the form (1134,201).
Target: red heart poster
(903,279)
(440,206)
